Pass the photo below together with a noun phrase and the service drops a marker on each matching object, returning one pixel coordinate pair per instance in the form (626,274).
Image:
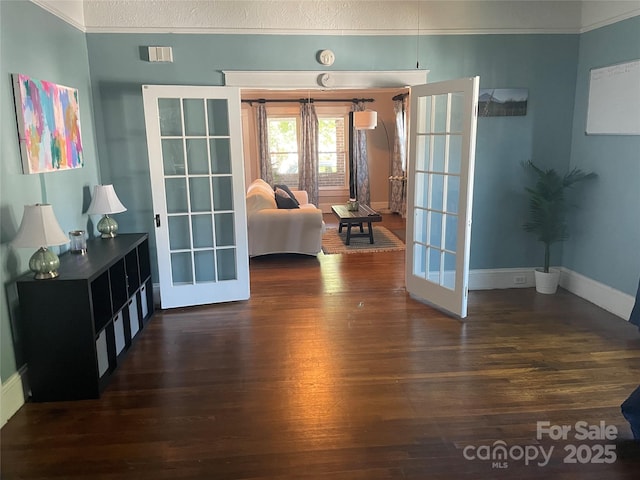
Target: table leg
(370,232)
(348,234)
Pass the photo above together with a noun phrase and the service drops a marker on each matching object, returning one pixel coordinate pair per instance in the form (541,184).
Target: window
(283,149)
(332,147)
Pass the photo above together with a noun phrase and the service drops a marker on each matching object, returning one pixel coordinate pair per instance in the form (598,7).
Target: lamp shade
(39,228)
(365,120)
(105,201)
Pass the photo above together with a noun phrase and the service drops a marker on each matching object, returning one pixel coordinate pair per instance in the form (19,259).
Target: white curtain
(398,179)
(308,149)
(361,161)
(263,144)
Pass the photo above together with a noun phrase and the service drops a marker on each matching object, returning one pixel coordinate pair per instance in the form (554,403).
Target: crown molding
(610,21)
(50,7)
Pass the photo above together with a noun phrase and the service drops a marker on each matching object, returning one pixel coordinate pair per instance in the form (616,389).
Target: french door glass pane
(200,194)
(457,112)
(217,111)
(170,117)
(181,268)
(422,189)
(420,225)
(449,280)
(222,193)
(437,164)
(419,260)
(434,265)
(440,120)
(202,226)
(197,159)
(176,192)
(194,116)
(172,156)
(179,233)
(220,156)
(422,152)
(437,191)
(435,229)
(453,190)
(455,153)
(225,235)
(205,263)
(451,232)
(424,115)
(226,264)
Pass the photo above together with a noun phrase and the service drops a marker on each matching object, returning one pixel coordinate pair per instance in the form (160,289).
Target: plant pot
(547,283)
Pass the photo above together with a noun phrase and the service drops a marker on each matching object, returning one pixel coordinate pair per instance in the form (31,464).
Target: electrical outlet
(519,279)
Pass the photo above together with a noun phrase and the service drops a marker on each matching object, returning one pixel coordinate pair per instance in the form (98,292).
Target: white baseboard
(605,297)
(498,278)
(610,299)
(12,394)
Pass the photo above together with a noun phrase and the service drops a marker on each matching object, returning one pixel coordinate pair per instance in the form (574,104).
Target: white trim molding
(312,79)
(499,278)
(605,297)
(13,394)
(70,11)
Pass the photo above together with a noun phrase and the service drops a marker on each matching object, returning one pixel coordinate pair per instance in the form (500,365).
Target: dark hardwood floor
(330,371)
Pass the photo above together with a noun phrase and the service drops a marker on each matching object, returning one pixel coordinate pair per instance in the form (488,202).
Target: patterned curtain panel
(361,161)
(398,202)
(308,159)
(263,144)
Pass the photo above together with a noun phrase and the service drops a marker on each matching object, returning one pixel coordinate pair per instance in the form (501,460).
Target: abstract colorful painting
(48,125)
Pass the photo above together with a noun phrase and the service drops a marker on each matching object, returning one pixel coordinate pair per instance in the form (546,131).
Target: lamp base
(44,263)
(108,227)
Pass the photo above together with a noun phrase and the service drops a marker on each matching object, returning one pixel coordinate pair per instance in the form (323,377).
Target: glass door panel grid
(437,188)
(198,183)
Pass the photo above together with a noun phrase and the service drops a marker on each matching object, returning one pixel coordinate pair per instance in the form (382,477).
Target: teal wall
(38,44)
(545,64)
(606,241)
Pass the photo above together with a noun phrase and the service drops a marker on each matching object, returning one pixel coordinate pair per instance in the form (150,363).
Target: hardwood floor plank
(331,370)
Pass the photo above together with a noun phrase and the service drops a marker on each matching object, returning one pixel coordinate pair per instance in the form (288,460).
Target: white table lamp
(105,202)
(40,229)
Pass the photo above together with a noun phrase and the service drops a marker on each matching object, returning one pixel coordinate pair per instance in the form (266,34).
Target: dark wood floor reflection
(331,371)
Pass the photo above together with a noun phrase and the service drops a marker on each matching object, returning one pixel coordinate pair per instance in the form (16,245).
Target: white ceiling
(355,17)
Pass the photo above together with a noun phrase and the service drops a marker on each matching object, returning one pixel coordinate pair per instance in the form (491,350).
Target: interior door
(194,140)
(440,192)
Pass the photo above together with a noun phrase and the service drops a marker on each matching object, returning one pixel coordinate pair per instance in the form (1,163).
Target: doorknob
(157,220)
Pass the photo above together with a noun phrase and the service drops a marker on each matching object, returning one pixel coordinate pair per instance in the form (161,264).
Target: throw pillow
(288,190)
(283,200)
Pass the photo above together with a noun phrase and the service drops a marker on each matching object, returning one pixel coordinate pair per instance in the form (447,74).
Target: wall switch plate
(160,54)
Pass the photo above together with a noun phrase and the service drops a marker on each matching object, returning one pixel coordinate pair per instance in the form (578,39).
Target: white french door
(440,192)
(194,139)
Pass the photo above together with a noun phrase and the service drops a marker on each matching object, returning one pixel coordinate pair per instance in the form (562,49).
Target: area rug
(385,241)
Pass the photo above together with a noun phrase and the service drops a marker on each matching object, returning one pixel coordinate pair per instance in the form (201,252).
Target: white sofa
(274,230)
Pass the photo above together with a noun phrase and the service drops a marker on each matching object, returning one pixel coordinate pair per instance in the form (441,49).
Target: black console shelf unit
(79,325)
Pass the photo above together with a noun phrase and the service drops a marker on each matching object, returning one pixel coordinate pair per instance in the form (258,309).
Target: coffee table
(350,218)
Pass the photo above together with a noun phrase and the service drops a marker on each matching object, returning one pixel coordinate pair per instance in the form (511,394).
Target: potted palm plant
(547,216)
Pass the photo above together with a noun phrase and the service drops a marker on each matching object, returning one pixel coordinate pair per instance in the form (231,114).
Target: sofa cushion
(285,200)
(259,200)
(260,185)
